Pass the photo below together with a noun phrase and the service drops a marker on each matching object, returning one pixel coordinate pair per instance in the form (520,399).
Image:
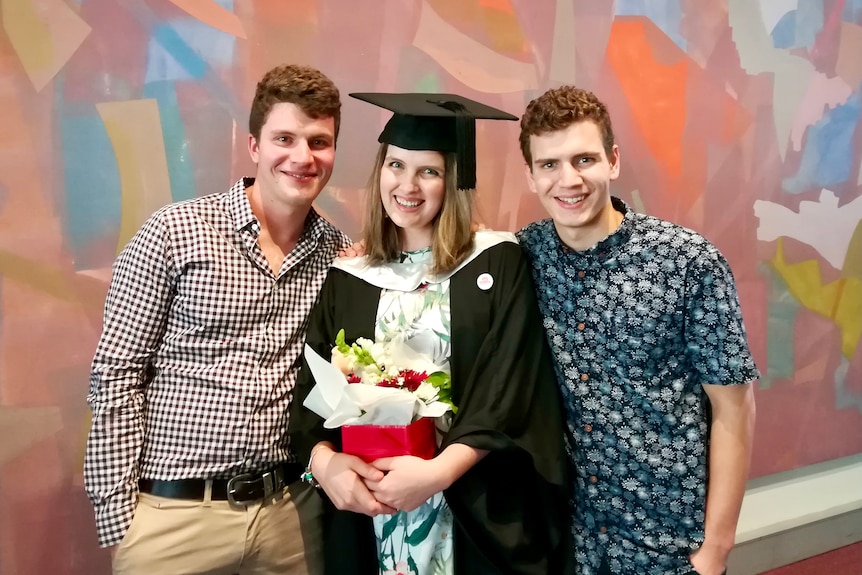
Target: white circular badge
(485,281)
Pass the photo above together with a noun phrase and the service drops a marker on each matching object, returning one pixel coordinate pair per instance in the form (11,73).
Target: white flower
(426,392)
(365,344)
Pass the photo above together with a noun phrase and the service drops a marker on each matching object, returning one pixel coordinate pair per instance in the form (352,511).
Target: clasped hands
(383,487)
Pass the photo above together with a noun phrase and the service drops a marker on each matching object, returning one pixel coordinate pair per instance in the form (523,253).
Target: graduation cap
(439,122)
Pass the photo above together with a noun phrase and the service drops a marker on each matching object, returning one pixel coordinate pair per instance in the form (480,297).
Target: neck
(585,237)
(413,240)
(284,224)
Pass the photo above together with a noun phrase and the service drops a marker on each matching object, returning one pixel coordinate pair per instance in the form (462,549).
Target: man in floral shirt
(651,355)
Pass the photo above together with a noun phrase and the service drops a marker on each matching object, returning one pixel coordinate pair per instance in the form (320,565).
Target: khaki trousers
(176,536)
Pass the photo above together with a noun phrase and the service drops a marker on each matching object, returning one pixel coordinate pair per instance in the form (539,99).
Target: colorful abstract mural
(737,118)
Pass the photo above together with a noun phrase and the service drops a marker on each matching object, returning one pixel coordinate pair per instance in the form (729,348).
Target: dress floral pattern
(637,324)
(417,542)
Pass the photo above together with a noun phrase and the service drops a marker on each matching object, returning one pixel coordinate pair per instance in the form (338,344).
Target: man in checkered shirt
(187,461)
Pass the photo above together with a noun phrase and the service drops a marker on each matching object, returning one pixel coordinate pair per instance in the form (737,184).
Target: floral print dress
(417,542)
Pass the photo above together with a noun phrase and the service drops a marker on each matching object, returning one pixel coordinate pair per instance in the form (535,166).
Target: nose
(570,176)
(301,152)
(407,183)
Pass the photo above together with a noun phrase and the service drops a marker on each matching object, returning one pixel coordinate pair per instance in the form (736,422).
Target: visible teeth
(572,201)
(406,203)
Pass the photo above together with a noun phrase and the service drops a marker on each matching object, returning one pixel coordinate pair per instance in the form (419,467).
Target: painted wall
(737,118)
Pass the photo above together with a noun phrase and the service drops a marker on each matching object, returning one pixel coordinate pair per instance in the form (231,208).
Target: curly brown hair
(557,109)
(308,88)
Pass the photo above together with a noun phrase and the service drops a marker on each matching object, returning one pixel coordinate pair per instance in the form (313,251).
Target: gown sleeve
(306,427)
(513,504)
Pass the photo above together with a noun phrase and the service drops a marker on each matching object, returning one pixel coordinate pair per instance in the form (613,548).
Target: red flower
(353,378)
(412,379)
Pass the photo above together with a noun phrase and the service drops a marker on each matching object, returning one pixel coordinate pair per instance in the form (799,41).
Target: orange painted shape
(501,5)
(213,15)
(654,88)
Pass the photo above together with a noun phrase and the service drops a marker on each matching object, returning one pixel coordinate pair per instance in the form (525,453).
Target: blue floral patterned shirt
(637,324)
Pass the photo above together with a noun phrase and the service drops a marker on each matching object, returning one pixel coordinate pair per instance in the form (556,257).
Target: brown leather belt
(242,488)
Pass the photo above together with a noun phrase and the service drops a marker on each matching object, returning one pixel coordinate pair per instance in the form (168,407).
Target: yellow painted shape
(135,131)
(213,15)
(44,35)
(23,427)
(853,258)
(469,61)
(839,301)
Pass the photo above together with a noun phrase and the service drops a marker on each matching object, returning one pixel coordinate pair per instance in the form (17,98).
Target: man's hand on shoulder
(357,250)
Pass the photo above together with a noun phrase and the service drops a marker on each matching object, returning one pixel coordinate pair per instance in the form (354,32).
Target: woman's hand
(408,483)
(343,478)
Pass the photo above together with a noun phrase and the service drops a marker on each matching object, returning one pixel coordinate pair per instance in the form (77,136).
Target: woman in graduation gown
(494,498)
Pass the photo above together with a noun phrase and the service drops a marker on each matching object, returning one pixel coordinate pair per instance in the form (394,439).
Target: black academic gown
(511,509)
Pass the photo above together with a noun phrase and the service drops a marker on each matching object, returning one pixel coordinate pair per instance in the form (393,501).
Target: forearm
(111,463)
(730,444)
(455,461)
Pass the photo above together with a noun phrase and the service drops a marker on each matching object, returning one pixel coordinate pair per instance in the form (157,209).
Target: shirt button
(248,462)
(270,330)
(581,326)
(584,377)
(275,287)
(256,417)
(603,529)
(582,273)
(588,428)
(594,479)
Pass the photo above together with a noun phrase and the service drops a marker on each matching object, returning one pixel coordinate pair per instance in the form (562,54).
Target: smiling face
(571,173)
(294,155)
(412,188)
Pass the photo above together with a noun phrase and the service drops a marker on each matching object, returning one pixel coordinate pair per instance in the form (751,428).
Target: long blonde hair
(452,236)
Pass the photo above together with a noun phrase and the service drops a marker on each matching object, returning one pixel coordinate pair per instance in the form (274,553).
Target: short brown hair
(308,88)
(453,234)
(557,109)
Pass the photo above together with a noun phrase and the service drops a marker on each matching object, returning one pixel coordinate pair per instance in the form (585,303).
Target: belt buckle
(273,484)
(231,487)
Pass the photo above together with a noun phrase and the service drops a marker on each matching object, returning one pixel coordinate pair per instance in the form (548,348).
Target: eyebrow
(594,154)
(441,167)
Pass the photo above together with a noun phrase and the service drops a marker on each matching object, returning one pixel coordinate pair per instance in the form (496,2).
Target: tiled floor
(843,561)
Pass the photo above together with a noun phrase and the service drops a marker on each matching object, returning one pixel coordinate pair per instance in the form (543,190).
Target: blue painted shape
(782,309)
(809,22)
(852,11)
(182,48)
(828,156)
(666,14)
(214,46)
(784,33)
(169,57)
(91,181)
(177,152)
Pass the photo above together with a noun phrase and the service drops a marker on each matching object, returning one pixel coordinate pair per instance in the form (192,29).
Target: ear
(615,162)
(253,148)
(528,173)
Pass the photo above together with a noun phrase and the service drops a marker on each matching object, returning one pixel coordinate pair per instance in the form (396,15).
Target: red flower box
(371,442)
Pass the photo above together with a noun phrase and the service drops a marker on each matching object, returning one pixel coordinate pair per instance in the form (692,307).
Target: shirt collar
(617,238)
(240,211)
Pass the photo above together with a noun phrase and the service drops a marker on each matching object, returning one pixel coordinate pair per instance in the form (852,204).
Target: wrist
(318,452)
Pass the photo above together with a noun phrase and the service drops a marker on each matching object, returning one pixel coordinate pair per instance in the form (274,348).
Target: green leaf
(339,342)
(389,527)
(443,382)
(411,564)
(421,533)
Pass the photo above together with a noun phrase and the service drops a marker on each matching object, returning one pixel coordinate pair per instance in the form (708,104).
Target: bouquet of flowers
(383,395)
